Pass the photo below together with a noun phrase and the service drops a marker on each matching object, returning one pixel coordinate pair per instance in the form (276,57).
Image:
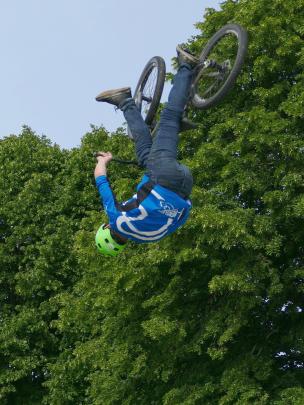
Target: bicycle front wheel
(220,63)
(149,88)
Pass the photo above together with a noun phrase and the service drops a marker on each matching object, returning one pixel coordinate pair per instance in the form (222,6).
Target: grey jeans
(160,156)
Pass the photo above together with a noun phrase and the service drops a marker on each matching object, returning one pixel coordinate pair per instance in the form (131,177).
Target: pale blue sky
(57,55)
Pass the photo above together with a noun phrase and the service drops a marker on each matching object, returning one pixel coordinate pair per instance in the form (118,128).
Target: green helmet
(105,242)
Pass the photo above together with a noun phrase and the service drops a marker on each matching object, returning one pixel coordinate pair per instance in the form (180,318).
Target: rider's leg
(166,140)
(139,130)
(162,165)
(122,98)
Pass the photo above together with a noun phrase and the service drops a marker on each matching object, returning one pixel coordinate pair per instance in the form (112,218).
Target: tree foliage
(210,315)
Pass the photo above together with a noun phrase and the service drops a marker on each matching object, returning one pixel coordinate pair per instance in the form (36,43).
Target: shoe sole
(188,58)
(110,93)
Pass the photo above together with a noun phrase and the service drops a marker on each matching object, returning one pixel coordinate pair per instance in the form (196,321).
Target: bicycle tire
(241,34)
(158,63)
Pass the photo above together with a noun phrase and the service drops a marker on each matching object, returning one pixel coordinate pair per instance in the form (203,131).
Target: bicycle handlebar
(118,160)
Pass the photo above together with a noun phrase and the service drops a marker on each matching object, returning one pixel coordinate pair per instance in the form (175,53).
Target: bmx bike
(220,63)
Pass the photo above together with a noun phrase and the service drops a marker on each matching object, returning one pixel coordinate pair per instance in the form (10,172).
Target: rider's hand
(102,160)
(104,157)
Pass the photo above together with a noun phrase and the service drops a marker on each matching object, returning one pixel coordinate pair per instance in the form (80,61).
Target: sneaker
(115,97)
(185,56)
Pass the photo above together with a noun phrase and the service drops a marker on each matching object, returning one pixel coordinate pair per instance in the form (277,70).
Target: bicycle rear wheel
(220,63)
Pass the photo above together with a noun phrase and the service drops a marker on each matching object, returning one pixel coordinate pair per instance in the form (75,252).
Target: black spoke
(148,91)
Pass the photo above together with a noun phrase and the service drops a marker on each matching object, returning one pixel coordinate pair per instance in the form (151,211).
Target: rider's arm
(102,183)
(107,197)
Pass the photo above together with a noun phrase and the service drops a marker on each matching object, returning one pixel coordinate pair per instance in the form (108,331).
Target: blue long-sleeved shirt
(158,215)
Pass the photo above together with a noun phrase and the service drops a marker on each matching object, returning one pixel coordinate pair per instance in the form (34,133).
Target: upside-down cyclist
(161,203)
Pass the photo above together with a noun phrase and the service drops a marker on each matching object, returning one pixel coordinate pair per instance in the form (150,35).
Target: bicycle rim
(220,63)
(150,87)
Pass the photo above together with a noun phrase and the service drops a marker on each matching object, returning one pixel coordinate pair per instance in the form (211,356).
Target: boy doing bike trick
(161,203)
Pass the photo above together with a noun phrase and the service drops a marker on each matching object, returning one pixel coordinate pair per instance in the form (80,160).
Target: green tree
(210,315)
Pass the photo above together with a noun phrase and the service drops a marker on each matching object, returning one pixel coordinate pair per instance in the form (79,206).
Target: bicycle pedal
(187,125)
